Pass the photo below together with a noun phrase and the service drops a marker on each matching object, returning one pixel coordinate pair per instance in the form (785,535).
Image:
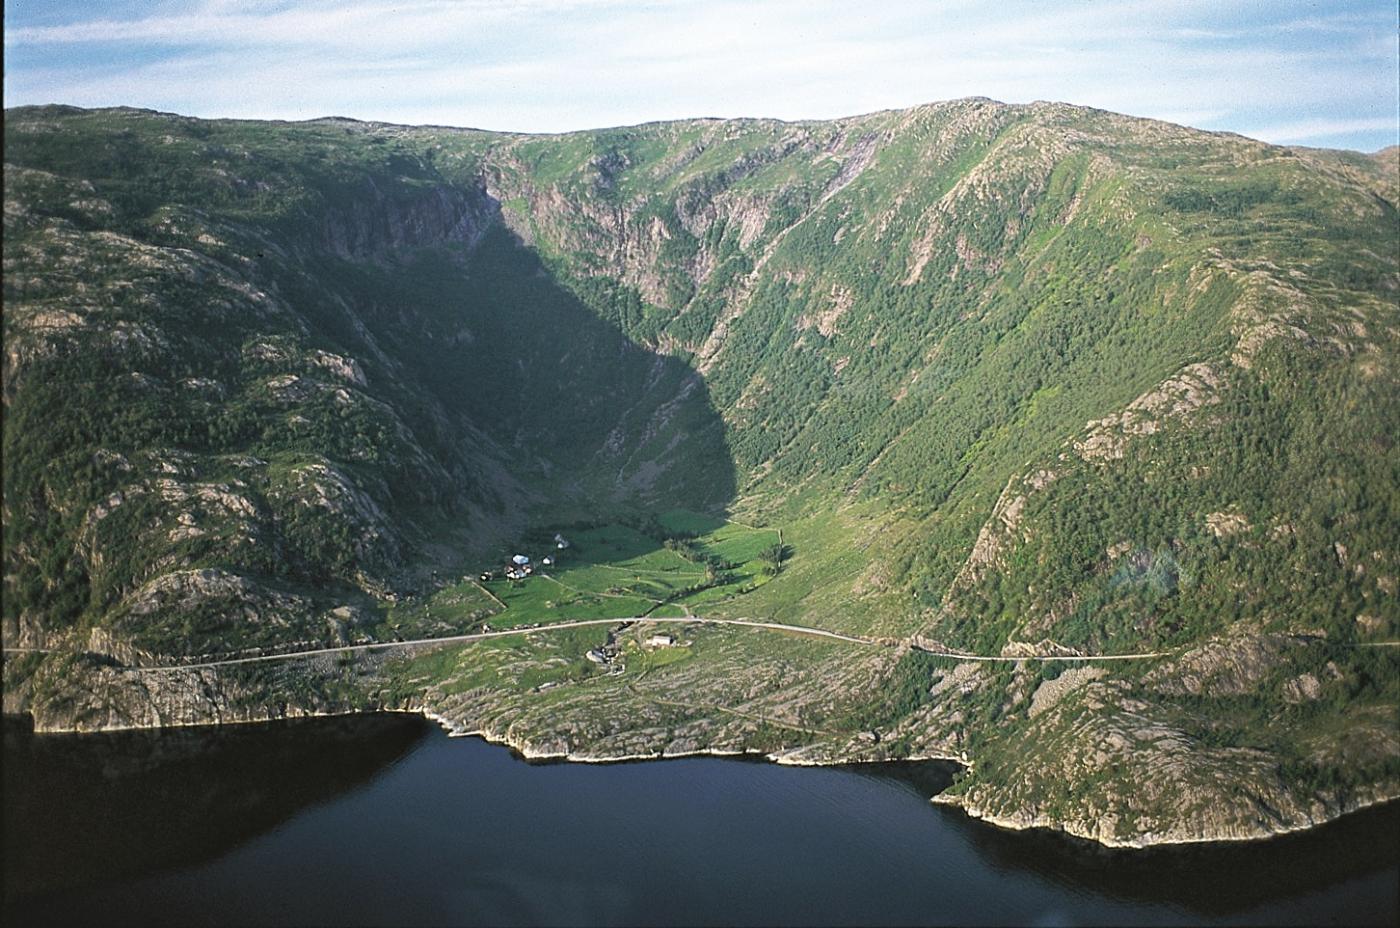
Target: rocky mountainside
(1015,380)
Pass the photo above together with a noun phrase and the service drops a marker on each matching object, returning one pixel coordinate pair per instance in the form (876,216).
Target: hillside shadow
(584,417)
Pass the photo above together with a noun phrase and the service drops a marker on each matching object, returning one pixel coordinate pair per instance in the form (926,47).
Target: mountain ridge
(444,127)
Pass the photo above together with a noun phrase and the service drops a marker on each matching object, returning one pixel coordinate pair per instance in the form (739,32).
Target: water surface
(384,820)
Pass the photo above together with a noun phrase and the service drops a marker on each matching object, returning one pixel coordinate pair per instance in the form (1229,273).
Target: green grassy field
(608,571)
(538,600)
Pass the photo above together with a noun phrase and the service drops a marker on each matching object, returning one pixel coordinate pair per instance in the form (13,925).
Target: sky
(1323,73)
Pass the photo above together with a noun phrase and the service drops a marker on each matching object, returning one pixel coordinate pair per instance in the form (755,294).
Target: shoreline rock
(531,753)
(1041,823)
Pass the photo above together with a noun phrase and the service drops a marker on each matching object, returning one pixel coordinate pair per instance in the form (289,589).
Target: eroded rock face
(118,698)
(1178,397)
(374,223)
(1227,666)
(1126,773)
(1001,531)
(1083,754)
(1049,693)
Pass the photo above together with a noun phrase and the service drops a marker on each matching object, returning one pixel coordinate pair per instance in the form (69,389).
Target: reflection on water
(1214,879)
(85,809)
(382,819)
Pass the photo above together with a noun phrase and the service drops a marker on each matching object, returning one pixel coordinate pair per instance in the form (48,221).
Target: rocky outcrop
(1229,665)
(1254,820)
(1049,693)
(1126,773)
(373,223)
(1177,397)
(1003,529)
(1090,759)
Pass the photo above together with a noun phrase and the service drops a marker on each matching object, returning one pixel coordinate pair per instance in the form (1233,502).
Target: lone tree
(773,557)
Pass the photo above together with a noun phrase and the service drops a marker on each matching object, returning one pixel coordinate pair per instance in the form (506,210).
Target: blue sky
(1316,73)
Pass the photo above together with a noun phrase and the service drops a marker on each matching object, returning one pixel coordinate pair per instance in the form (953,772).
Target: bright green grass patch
(618,571)
(744,583)
(819,581)
(540,600)
(677,574)
(738,544)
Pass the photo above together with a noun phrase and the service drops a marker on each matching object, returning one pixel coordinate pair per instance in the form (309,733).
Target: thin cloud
(1311,129)
(314,23)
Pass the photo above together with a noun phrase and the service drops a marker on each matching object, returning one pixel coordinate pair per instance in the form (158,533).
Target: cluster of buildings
(517,568)
(610,652)
(520,566)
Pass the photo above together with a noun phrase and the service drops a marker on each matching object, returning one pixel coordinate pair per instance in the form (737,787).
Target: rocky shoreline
(1155,840)
(533,753)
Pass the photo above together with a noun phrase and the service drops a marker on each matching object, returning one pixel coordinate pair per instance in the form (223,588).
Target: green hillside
(1009,380)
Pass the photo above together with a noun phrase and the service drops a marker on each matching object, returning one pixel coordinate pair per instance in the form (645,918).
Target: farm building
(661,640)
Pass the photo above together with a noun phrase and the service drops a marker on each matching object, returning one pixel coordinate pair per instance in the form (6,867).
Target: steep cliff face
(373,225)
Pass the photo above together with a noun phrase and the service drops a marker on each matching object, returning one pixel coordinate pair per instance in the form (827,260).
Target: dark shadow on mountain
(492,357)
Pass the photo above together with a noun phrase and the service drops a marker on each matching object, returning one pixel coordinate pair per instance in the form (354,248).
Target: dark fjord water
(384,820)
